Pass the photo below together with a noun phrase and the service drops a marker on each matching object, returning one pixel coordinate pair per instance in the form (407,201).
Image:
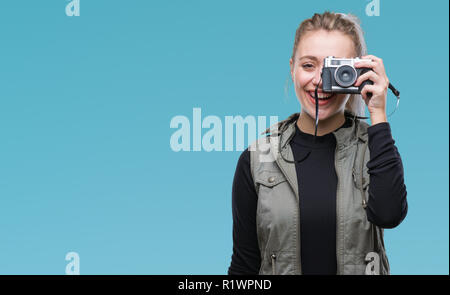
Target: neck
(307,124)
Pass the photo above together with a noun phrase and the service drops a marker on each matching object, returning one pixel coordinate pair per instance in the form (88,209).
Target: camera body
(339,75)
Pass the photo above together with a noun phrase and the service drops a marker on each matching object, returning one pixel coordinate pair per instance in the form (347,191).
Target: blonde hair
(349,25)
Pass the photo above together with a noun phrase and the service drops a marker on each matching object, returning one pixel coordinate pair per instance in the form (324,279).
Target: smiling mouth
(321,95)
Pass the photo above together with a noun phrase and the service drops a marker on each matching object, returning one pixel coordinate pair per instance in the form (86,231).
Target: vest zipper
(361,188)
(363,181)
(274,258)
(338,211)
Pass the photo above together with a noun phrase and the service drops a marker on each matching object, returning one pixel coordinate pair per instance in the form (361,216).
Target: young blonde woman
(305,204)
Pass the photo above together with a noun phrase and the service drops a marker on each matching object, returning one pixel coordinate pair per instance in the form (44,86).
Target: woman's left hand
(377,103)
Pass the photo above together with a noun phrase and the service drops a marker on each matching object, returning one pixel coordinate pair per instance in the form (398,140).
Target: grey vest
(359,243)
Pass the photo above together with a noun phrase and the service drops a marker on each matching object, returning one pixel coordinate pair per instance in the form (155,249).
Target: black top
(317,181)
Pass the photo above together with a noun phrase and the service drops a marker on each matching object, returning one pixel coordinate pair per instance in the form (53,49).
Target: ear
(291,65)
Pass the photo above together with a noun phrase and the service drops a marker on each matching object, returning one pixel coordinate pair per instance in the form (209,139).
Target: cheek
(303,78)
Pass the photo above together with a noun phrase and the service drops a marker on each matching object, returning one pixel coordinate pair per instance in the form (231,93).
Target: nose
(317,80)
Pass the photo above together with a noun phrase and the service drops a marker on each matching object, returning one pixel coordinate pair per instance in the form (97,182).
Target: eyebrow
(309,56)
(314,58)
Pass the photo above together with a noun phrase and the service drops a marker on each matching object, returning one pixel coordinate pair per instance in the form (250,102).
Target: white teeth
(321,95)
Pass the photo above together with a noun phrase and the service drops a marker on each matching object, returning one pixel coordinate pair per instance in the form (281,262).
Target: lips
(321,95)
(323,98)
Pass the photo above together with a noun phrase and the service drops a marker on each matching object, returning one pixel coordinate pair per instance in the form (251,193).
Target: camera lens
(345,75)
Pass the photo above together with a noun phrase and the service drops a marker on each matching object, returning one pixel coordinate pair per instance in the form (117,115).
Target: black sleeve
(387,205)
(246,255)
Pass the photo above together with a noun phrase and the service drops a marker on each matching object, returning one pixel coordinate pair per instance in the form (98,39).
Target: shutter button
(271,179)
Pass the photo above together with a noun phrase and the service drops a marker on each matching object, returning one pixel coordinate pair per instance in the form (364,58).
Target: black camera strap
(391,87)
(395,91)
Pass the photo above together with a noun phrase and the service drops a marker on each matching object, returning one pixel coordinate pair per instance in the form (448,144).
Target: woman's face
(313,47)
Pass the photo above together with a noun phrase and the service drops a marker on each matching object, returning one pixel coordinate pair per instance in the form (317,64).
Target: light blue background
(86,102)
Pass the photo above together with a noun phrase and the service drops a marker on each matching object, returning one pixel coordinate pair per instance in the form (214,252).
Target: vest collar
(345,136)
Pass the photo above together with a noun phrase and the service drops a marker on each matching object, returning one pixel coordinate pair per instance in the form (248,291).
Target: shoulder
(244,157)
(258,151)
(362,131)
(273,131)
(364,125)
(257,144)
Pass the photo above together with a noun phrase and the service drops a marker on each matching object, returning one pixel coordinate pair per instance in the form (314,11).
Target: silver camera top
(334,62)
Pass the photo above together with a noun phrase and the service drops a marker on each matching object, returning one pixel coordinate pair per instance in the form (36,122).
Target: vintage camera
(339,75)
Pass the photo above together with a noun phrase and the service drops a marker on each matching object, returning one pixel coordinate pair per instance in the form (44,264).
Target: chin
(324,113)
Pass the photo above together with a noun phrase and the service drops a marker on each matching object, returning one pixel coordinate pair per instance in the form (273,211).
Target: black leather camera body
(339,75)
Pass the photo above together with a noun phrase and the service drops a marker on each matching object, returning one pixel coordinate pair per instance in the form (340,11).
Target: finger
(365,64)
(366,100)
(370,75)
(372,57)
(379,67)
(373,89)
(374,66)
